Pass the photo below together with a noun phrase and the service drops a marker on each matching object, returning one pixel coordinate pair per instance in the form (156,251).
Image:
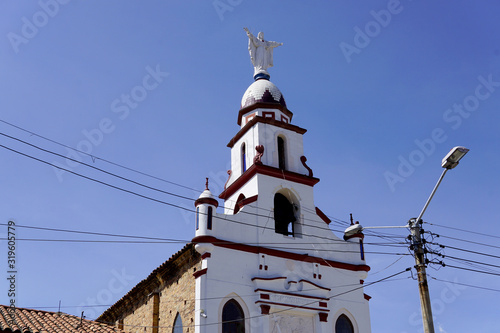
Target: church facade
(266,259)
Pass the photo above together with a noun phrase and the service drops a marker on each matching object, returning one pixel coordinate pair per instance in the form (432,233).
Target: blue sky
(384,88)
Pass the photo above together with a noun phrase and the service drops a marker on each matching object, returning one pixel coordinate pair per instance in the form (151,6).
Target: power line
(152,188)
(464,250)
(95,180)
(374,233)
(270,246)
(466,285)
(120,177)
(467,260)
(383,269)
(132,192)
(140,184)
(468,241)
(464,230)
(289,307)
(181,300)
(158,240)
(98,169)
(476,266)
(98,158)
(94,233)
(157,200)
(472,270)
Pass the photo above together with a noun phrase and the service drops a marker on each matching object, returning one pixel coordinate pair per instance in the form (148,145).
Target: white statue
(261,54)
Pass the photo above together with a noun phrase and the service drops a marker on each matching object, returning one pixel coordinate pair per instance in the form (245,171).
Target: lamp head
(352,230)
(453,157)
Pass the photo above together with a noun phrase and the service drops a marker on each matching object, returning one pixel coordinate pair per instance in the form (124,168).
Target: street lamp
(451,159)
(449,162)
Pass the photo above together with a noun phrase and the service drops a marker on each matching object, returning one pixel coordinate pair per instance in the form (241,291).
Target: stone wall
(141,317)
(172,285)
(179,297)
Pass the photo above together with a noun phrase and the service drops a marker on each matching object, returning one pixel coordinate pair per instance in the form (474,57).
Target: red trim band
(292,306)
(270,121)
(209,201)
(290,294)
(268,171)
(199,273)
(278,253)
(323,216)
(263,105)
(247,201)
(314,284)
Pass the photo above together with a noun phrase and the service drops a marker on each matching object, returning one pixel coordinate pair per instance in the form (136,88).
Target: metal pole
(418,248)
(432,194)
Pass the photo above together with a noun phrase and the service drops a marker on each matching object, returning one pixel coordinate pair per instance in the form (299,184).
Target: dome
(206,197)
(262,91)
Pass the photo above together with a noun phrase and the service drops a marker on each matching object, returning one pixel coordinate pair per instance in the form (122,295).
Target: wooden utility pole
(423,287)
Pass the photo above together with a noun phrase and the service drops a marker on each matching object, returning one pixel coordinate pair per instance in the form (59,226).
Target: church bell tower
(270,262)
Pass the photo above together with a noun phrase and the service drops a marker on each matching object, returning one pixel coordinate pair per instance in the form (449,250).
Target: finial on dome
(261,54)
(206,184)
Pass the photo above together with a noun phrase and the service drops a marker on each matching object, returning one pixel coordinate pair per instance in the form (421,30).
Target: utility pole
(449,162)
(423,287)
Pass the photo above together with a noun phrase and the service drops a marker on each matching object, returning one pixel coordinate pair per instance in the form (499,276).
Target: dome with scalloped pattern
(262,91)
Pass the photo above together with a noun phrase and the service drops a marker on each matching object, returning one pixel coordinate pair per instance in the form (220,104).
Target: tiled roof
(37,321)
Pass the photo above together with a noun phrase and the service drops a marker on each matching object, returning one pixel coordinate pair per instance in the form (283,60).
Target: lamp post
(449,162)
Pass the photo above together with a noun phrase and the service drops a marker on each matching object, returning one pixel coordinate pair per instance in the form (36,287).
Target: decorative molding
(323,216)
(264,309)
(246,201)
(367,297)
(208,201)
(268,279)
(199,273)
(260,152)
(263,105)
(303,159)
(270,121)
(268,114)
(249,117)
(229,172)
(280,254)
(290,294)
(314,284)
(268,171)
(206,255)
(323,317)
(237,207)
(289,305)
